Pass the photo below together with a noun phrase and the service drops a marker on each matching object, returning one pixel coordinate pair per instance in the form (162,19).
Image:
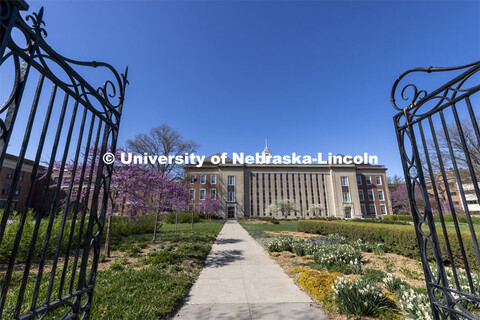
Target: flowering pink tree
(211,207)
(401,202)
(134,189)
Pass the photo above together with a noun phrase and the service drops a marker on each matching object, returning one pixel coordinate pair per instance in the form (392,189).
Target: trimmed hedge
(401,239)
(462,218)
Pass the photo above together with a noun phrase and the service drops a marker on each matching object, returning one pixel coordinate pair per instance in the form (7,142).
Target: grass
(141,285)
(287,225)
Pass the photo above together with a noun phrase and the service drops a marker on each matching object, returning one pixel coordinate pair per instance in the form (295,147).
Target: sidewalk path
(240,281)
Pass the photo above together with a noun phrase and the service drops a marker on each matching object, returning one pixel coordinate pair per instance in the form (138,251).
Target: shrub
(338,257)
(398,217)
(360,298)
(400,239)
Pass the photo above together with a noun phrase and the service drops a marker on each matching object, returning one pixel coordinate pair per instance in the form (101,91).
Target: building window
(344,181)
(192,178)
(201,196)
(373,210)
(368,180)
(2,204)
(363,209)
(21,175)
(5,189)
(380,195)
(9,173)
(378,180)
(231,196)
(17,191)
(370,195)
(213,194)
(346,197)
(383,209)
(231,180)
(190,208)
(203,179)
(192,194)
(359,180)
(361,195)
(213,179)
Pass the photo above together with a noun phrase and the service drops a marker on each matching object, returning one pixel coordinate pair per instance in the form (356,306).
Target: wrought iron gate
(52,220)
(439,141)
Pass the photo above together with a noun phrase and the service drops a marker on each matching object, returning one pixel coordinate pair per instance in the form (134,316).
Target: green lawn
(151,279)
(290,225)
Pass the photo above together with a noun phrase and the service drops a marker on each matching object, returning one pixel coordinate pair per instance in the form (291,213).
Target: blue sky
(311,76)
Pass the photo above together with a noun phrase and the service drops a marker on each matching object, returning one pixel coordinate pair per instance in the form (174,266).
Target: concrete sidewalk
(240,281)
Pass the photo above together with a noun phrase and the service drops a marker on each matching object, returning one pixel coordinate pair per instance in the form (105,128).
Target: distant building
(316,190)
(453,187)
(20,193)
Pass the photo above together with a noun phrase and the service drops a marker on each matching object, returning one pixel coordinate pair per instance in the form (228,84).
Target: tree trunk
(176,221)
(108,236)
(155,228)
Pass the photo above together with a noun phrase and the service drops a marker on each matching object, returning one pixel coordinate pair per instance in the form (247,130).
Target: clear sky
(311,76)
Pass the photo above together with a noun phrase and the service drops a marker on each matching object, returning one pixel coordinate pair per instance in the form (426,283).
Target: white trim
(342,179)
(380,177)
(204,180)
(228,180)
(200,194)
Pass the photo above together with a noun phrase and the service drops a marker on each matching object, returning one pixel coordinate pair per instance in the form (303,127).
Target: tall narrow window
(9,173)
(192,194)
(383,209)
(346,197)
(201,196)
(361,195)
(363,209)
(378,180)
(359,180)
(344,181)
(231,196)
(213,194)
(203,179)
(368,179)
(380,195)
(370,195)
(373,210)
(192,178)
(231,180)
(213,179)
(5,188)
